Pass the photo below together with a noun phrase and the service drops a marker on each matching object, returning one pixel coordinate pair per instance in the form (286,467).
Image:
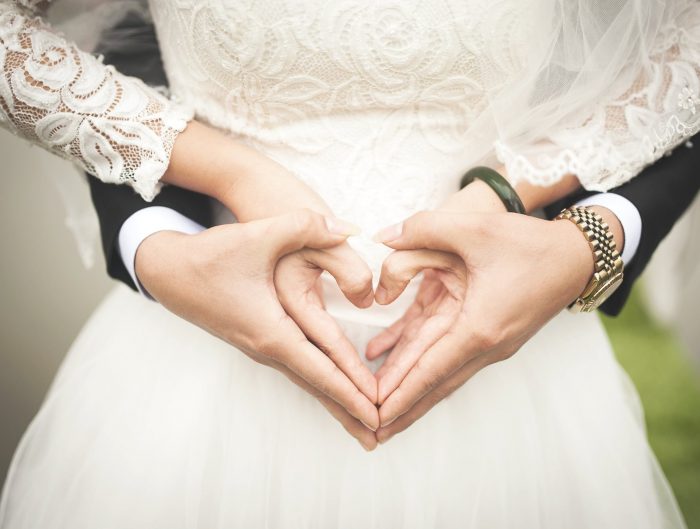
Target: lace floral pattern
(381,106)
(65,100)
(612,145)
(368,102)
(416,76)
(385,94)
(277,62)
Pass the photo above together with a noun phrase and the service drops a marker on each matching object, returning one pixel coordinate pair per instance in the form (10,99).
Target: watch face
(604,292)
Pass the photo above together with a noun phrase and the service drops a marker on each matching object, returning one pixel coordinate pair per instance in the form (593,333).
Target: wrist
(607,273)
(476,197)
(614,224)
(534,196)
(153,262)
(266,189)
(246,181)
(573,256)
(201,161)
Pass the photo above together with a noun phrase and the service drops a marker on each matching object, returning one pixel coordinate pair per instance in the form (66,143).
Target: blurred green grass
(669,387)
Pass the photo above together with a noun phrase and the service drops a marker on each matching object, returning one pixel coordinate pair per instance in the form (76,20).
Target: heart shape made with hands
(472,258)
(435,309)
(438,303)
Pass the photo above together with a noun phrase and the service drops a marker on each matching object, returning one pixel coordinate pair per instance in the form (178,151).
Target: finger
(408,352)
(355,428)
(449,354)
(408,333)
(390,336)
(327,335)
(432,230)
(359,431)
(301,228)
(304,359)
(350,271)
(399,268)
(425,404)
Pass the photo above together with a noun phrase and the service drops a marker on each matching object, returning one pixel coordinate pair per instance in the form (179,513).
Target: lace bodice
(366,101)
(380,106)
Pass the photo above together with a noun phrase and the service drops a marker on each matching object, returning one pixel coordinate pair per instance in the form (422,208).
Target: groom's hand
(257,187)
(223,281)
(495,279)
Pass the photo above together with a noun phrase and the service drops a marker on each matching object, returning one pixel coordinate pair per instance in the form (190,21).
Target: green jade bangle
(500,185)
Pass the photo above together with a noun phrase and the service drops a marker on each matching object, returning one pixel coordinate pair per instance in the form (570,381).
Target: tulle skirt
(153,424)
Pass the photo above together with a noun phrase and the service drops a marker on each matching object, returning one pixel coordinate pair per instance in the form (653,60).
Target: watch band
(500,185)
(608,263)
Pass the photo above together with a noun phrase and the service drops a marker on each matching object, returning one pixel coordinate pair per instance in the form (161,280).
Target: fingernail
(381,295)
(342,227)
(367,447)
(387,423)
(374,429)
(369,300)
(389,233)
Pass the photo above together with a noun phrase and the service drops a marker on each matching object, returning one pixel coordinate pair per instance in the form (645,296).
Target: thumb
(303,228)
(400,267)
(432,230)
(350,272)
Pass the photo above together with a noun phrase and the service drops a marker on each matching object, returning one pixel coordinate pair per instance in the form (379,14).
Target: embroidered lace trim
(69,102)
(653,116)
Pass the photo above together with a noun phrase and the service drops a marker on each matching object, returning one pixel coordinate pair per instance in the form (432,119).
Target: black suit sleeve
(132,48)
(661,193)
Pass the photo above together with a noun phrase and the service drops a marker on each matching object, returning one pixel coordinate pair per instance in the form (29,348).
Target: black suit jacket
(661,192)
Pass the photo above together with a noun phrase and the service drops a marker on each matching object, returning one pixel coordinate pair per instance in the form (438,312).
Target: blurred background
(46,294)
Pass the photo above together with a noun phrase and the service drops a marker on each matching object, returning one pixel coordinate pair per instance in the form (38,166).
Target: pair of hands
(492,279)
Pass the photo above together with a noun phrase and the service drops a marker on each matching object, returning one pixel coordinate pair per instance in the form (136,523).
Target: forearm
(250,184)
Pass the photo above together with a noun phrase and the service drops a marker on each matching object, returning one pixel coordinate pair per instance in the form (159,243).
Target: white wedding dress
(152,423)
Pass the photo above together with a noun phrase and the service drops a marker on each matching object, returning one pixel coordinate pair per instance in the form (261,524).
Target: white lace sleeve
(647,111)
(115,127)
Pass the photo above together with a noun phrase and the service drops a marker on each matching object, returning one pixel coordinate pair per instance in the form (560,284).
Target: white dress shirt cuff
(142,225)
(628,215)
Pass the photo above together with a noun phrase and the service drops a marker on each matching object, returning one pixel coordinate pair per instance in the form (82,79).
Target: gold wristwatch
(608,264)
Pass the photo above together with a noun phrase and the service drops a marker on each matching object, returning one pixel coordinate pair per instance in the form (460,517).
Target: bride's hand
(514,274)
(223,281)
(254,186)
